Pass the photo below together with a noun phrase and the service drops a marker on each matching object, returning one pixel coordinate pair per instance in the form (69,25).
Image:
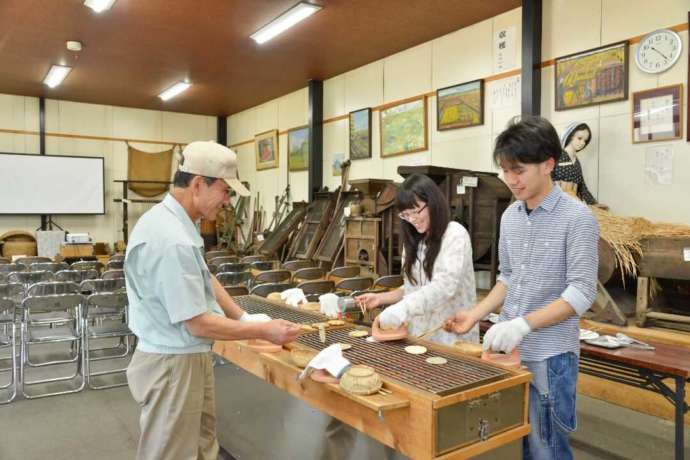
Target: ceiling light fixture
(99,6)
(56,74)
(283,22)
(174,90)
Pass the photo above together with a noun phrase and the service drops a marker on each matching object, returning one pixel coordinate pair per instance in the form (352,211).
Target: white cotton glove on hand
(506,335)
(393,317)
(293,297)
(331,359)
(255,318)
(328,305)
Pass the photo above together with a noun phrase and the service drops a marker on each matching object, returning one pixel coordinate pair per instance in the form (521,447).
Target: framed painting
(266,149)
(403,127)
(298,149)
(360,134)
(460,106)
(657,114)
(595,76)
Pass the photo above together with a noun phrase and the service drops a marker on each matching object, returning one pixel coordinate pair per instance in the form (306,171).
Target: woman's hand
(461,323)
(369,300)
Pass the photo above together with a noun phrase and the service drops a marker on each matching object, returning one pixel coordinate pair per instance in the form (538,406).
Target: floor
(103,424)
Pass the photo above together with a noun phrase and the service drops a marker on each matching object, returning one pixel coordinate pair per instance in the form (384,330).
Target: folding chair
(76,276)
(359,283)
(389,282)
(294,265)
(93,329)
(263,265)
(235,267)
(264,289)
(250,259)
(112,274)
(9,268)
(272,276)
(348,271)
(102,313)
(210,255)
(115,264)
(10,298)
(93,286)
(29,278)
(87,265)
(308,274)
(116,257)
(314,288)
(27,261)
(48,266)
(51,314)
(234,278)
(215,263)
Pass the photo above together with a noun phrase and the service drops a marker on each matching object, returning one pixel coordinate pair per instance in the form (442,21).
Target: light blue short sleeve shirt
(168,281)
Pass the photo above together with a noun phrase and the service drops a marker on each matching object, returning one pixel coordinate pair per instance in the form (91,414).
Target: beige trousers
(178,408)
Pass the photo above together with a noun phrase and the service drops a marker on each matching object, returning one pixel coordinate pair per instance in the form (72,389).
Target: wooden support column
(531,57)
(315,137)
(42,144)
(222,131)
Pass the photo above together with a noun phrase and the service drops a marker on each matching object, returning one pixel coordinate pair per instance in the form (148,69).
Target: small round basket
(302,356)
(361,380)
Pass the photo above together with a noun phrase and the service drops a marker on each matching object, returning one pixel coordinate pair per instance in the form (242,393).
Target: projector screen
(47,184)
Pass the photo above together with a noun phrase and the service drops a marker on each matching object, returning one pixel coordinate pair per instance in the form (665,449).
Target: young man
(548,264)
(177,308)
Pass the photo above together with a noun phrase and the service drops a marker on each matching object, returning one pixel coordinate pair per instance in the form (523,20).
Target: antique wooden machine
(329,252)
(477,201)
(318,216)
(274,242)
(464,408)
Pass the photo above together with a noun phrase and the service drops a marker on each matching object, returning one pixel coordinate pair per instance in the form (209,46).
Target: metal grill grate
(253,305)
(391,360)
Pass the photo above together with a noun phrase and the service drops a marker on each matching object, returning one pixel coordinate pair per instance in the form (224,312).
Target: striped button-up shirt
(548,254)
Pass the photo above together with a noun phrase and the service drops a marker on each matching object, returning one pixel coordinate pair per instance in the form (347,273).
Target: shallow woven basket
(302,356)
(361,380)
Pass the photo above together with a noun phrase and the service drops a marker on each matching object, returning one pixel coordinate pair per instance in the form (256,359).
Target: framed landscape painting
(460,106)
(595,76)
(360,134)
(298,149)
(266,149)
(403,128)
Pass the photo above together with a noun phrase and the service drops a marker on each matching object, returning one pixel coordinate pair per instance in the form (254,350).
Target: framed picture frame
(460,106)
(595,76)
(404,127)
(298,149)
(687,117)
(360,134)
(657,114)
(266,150)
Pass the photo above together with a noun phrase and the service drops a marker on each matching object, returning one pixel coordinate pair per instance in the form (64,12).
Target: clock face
(658,51)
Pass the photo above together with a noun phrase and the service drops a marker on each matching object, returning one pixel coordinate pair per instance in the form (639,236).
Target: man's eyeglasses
(407,216)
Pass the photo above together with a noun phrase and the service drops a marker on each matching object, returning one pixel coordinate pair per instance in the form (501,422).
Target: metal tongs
(627,341)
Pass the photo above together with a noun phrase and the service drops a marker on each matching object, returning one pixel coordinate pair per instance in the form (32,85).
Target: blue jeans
(552,407)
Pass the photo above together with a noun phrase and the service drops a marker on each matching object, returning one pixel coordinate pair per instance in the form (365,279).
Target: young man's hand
(506,335)
(461,323)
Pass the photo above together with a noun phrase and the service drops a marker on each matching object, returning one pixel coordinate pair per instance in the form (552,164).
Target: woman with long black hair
(437,266)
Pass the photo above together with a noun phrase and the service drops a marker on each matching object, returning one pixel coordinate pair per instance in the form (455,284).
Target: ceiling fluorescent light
(283,22)
(99,6)
(56,74)
(174,90)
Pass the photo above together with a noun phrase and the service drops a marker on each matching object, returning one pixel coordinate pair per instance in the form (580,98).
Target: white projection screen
(47,184)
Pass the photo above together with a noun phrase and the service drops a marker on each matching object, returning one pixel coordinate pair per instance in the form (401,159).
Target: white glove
(328,305)
(293,297)
(506,335)
(393,317)
(255,318)
(331,359)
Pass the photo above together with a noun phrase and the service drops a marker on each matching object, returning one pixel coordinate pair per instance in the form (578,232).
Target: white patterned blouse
(430,302)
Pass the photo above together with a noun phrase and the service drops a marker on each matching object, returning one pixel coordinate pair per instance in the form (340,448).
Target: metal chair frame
(115,265)
(308,274)
(235,267)
(112,274)
(234,278)
(87,265)
(294,265)
(27,261)
(360,283)
(76,276)
(266,288)
(10,297)
(272,276)
(52,267)
(347,271)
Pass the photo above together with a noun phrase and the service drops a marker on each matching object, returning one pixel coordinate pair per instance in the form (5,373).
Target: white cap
(210,159)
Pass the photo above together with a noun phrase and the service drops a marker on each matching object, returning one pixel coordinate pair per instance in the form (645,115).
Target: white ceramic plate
(586,334)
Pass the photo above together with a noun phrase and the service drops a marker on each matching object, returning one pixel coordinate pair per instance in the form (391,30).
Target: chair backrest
(250,259)
(263,265)
(210,255)
(48,266)
(359,283)
(389,282)
(76,276)
(233,278)
(108,300)
(87,265)
(116,257)
(317,287)
(216,262)
(273,276)
(12,291)
(102,285)
(293,265)
(234,267)
(236,290)
(264,289)
(112,274)
(52,288)
(50,302)
(114,264)
(28,278)
(348,271)
(32,260)
(9,268)
(311,273)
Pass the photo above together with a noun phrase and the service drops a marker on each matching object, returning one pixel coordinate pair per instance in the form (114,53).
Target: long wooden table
(415,422)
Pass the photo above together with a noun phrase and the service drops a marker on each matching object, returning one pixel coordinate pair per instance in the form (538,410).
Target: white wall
(21,113)
(613,166)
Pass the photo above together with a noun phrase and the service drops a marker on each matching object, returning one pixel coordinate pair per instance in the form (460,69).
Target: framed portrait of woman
(266,149)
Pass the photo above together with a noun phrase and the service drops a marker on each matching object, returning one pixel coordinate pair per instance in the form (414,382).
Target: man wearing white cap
(177,308)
